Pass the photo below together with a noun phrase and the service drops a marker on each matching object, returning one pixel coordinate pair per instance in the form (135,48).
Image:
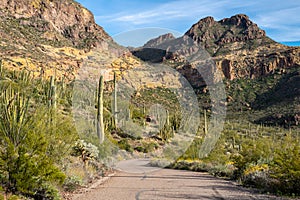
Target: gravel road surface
(136,180)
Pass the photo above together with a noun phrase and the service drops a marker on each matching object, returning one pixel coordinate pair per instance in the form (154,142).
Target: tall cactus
(52,94)
(100,124)
(1,69)
(52,101)
(167,118)
(205,122)
(115,101)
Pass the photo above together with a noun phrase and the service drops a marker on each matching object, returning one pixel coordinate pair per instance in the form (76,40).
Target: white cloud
(280,20)
(169,11)
(284,25)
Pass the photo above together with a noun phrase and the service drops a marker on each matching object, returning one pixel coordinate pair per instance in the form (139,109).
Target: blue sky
(279,18)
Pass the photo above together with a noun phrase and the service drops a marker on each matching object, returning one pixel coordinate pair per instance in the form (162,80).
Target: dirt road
(151,183)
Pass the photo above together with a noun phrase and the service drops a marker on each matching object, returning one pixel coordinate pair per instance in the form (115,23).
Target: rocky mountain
(238,46)
(160,39)
(49,36)
(241,49)
(260,74)
(67,18)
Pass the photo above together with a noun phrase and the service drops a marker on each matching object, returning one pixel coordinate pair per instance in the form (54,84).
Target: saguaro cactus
(100,124)
(1,69)
(205,122)
(167,118)
(115,101)
(52,93)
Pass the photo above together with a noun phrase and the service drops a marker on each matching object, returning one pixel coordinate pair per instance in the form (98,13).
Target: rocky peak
(212,34)
(159,40)
(205,22)
(236,44)
(240,20)
(50,36)
(67,17)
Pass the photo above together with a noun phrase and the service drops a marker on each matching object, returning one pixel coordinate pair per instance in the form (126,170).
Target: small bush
(72,183)
(86,151)
(47,192)
(256,175)
(139,149)
(123,144)
(286,167)
(149,147)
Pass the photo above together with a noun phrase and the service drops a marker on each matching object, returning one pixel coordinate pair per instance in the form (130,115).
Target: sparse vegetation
(43,153)
(38,137)
(255,152)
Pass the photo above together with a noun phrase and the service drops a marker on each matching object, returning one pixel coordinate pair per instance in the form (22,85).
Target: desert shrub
(149,146)
(286,167)
(256,175)
(26,140)
(72,183)
(139,149)
(221,170)
(253,152)
(47,192)
(34,140)
(85,151)
(123,144)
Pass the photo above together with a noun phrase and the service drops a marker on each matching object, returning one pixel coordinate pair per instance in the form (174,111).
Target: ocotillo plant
(100,124)
(115,101)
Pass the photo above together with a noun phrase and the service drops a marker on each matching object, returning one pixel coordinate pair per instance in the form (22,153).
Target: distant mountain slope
(261,75)
(238,47)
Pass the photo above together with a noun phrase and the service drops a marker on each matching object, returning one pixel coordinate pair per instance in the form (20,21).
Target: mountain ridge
(238,46)
(53,36)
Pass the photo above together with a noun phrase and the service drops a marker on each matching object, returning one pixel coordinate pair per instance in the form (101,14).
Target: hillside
(50,37)
(238,46)
(261,75)
(241,49)
(50,137)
